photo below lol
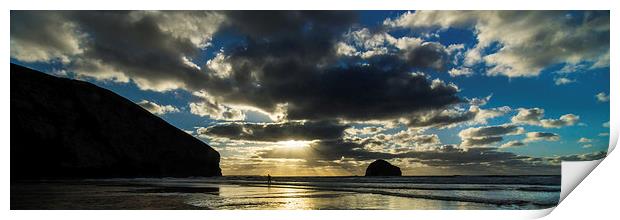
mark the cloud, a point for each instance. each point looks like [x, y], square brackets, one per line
[274, 132]
[415, 52]
[462, 71]
[284, 57]
[528, 116]
[606, 124]
[157, 108]
[364, 131]
[541, 136]
[499, 130]
[534, 116]
[512, 144]
[565, 120]
[261, 77]
[572, 68]
[487, 135]
[55, 38]
[563, 81]
[529, 41]
[603, 134]
[404, 140]
[584, 140]
[480, 141]
[208, 106]
[287, 65]
[602, 97]
[581, 157]
[448, 158]
[149, 48]
[446, 118]
[480, 101]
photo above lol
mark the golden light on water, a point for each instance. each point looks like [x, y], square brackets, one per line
[294, 143]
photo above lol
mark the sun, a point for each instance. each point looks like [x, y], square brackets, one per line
[294, 143]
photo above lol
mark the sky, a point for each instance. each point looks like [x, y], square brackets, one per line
[313, 93]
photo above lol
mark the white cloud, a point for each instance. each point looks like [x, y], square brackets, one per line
[485, 114]
[219, 67]
[572, 68]
[481, 101]
[364, 131]
[482, 136]
[565, 120]
[512, 144]
[541, 136]
[530, 116]
[563, 81]
[189, 63]
[461, 71]
[98, 70]
[584, 140]
[415, 51]
[606, 124]
[529, 41]
[602, 97]
[345, 49]
[210, 107]
[405, 140]
[533, 116]
[157, 108]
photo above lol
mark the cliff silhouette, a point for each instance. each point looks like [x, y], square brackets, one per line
[64, 128]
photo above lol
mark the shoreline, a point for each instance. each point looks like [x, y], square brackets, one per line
[179, 193]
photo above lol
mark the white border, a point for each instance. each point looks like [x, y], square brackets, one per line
[314, 5]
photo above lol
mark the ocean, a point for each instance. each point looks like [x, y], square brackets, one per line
[313, 193]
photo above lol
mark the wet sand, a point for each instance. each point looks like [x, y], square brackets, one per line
[191, 194]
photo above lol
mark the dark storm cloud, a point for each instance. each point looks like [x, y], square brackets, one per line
[273, 132]
[283, 58]
[428, 55]
[364, 93]
[285, 24]
[296, 63]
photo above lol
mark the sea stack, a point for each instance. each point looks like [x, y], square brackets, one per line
[64, 128]
[382, 168]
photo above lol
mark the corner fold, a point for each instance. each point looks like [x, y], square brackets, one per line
[573, 172]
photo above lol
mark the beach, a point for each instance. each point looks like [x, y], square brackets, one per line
[291, 193]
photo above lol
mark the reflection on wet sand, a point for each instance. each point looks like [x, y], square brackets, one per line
[292, 198]
[229, 194]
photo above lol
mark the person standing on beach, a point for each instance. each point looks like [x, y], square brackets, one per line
[268, 179]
